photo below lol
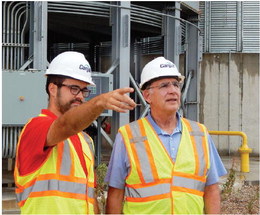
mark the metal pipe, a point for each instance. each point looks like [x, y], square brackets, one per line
[137, 90]
[19, 48]
[22, 35]
[15, 141]
[13, 33]
[4, 22]
[114, 65]
[8, 34]
[244, 150]
[4, 34]
[133, 9]
[16, 35]
[11, 142]
[229, 88]
[83, 8]
[4, 141]
[147, 107]
[185, 92]
[148, 10]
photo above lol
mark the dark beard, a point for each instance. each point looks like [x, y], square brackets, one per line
[63, 108]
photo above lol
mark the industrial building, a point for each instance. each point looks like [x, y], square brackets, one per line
[215, 45]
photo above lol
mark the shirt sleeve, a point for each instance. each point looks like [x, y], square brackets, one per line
[118, 164]
[32, 151]
[217, 168]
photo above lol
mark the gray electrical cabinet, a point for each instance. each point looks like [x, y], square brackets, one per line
[23, 94]
[104, 83]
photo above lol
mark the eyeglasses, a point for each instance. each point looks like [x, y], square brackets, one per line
[166, 85]
[74, 89]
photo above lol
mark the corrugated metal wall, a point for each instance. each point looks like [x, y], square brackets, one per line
[251, 29]
[230, 26]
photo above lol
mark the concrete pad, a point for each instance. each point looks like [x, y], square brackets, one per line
[250, 178]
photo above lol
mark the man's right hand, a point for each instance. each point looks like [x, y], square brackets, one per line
[118, 100]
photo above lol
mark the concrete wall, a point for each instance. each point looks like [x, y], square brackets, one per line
[229, 98]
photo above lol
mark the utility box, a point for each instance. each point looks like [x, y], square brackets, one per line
[24, 95]
[104, 83]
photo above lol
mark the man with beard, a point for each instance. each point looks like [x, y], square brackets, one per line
[163, 163]
[54, 171]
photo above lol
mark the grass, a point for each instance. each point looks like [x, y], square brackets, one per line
[101, 186]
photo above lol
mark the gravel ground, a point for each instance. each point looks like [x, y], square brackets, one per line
[243, 201]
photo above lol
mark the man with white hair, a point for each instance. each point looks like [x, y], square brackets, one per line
[163, 163]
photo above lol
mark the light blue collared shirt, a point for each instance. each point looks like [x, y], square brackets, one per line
[119, 165]
[170, 141]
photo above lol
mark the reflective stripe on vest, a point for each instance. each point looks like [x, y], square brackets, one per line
[160, 189]
[147, 191]
[188, 183]
[138, 140]
[57, 185]
[197, 133]
[66, 159]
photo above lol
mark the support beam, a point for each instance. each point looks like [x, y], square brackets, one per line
[120, 17]
[193, 58]
[40, 14]
[172, 33]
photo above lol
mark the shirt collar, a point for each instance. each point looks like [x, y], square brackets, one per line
[159, 131]
[48, 113]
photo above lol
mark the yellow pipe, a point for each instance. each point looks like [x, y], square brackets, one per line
[244, 150]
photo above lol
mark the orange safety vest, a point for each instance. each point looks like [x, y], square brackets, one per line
[60, 185]
[157, 185]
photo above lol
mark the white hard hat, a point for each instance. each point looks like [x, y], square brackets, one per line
[159, 67]
[71, 64]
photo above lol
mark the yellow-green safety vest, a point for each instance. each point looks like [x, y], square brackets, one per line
[157, 185]
[60, 185]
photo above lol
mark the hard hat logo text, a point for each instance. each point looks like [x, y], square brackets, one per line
[86, 67]
[170, 65]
